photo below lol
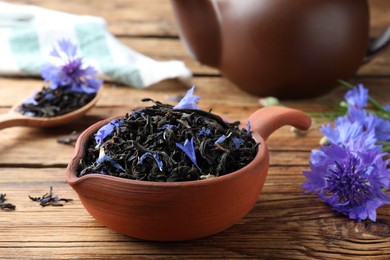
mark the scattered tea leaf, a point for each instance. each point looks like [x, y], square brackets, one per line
[49, 199]
[70, 139]
[4, 205]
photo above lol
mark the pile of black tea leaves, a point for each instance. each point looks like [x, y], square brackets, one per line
[162, 144]
[55, 102]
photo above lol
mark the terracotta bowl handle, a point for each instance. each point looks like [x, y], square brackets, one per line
[267, 120]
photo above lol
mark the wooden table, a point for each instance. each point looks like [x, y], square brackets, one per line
[283, 224]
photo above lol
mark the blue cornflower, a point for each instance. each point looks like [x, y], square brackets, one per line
[351, 181]
[350, 174]
[357, 97]
[188, 101]
[105, 130]
[69, 72]
[189, 149]
[155, 156]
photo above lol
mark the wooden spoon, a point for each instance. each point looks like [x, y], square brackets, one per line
[15, 118]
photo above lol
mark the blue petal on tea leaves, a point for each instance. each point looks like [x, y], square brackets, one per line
[205, 132]
[248, 126]
[189, 149]
[104, 157]
[30, 100]
[237, 142]
[221, 139]
[105, 130]
[154, 156]
[167, 126]
[188, 101]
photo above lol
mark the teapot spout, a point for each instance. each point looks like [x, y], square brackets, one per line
[199, 29]
[267, 120]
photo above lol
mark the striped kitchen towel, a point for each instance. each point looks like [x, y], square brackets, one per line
[28, 34]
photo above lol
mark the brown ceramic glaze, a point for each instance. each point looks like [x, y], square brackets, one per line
[283, 48]
[14, 118]
[184, 210]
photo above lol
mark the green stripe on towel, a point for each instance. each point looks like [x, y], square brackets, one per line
[93, 45]
[25, 48]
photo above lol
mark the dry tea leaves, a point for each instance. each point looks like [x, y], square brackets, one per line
[55, 102]
[70, 139]
[4, 205]
[48, 199]
[159, 143]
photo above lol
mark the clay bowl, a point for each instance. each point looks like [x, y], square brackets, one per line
[184, 210]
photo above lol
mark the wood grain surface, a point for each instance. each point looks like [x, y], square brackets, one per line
[284, 224]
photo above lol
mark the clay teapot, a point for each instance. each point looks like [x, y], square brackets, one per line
[169, 211]
[283, 48]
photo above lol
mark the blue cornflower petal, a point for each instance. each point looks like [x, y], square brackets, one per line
[51, 73]
[369, 122]
[54, 53]
[105, 130]
[188, 101]
[167, 126]
[237, 142]
[49, 96]
[248, 126]
[142, 158]
[67, 47]
[205, 132]
[160, 163]
[103, 157]
[189, 149]
[344, 132]
[220, 139]
[357, 97]
[117, 165]
[30, 100]
[155, 156]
